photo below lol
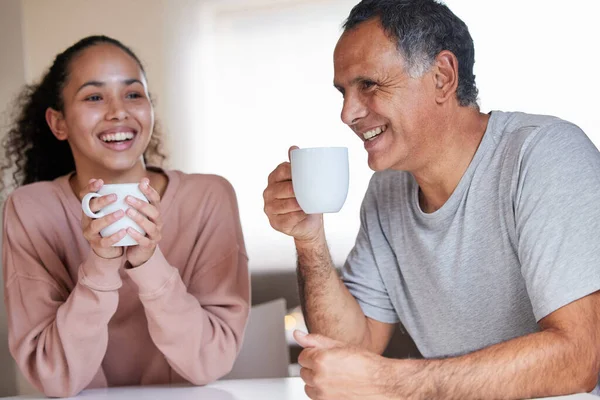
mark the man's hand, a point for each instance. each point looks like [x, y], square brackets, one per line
[333, 371]
[283, 210]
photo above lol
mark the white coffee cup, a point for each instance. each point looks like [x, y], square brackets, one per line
[320, 178]
[122, 190]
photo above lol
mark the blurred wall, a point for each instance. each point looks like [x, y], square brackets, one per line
[12, 76]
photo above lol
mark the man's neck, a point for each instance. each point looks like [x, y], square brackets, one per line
[438, 179]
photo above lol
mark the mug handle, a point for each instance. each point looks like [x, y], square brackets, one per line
[85, 205]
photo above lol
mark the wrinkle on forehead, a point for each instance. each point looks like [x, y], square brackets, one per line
[366, 50]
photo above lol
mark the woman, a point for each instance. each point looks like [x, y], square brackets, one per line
[81, 312]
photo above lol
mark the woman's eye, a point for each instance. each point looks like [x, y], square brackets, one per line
[134, 95]
[93, 97]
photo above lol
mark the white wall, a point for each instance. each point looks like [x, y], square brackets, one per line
[267, 78]
[265, 83]
[11, 78]
[537, 56]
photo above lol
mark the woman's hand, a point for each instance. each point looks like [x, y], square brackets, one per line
[147, 216]
[103, 247]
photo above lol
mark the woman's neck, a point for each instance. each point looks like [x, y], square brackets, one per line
[82, 176]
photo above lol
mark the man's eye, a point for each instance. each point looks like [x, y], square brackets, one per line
[134, 95]
[93, 97]
[368, 85]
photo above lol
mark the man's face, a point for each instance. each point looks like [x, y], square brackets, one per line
[394, 114]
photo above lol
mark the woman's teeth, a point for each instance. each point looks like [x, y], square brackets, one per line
[117, 137]
[373, 132]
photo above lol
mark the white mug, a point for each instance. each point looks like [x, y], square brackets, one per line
[122, 190]
[320, 178]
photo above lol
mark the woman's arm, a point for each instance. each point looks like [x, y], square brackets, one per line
[57, 338]
[199, 328]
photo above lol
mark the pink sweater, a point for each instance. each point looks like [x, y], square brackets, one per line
[78, 321]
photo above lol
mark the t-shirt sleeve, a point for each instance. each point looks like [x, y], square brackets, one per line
[558, 217]
[361, 273]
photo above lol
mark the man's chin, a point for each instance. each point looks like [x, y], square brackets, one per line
[378, 164]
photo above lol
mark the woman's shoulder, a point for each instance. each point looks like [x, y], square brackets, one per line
[38, 193]
[35, 200]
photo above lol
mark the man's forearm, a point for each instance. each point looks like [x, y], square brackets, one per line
[328, 306]
[538, 365]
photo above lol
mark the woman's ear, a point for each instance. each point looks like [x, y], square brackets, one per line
[56, 122]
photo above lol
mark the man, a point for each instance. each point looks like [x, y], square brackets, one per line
[479, 232]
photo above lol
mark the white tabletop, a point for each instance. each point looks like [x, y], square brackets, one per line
[249, 389]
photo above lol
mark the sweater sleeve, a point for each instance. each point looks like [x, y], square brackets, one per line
[57, 336]
[199, 326]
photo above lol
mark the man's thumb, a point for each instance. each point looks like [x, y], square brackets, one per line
[290, 152]
[314, 340]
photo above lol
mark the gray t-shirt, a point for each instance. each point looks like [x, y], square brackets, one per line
[518, 239]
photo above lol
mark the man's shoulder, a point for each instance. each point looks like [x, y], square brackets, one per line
[516, 119]
[520, 134]
[510, 125]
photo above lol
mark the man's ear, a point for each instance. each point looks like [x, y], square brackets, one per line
[56, 122]
[446, 76]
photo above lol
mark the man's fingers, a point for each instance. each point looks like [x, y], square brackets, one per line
[287, 222]
[279, 190]
[282, 207]
[315, 340]
[308, 376]
[307, 357]
[283, 172]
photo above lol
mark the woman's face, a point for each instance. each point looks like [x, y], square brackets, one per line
[107, 116]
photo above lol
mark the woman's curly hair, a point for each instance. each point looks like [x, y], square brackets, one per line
[32, 152]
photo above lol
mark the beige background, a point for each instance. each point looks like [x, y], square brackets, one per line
[12, 76]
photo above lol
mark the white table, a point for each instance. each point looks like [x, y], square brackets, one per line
[250, 389]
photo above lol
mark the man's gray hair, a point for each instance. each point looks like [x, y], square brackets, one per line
[422, 29]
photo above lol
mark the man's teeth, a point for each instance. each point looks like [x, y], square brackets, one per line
[117, 137]
[373, 132]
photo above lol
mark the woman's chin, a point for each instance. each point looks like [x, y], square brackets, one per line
[123, 167]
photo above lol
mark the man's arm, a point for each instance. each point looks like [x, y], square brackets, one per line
[561, 359]
[328, 306]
